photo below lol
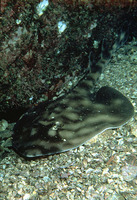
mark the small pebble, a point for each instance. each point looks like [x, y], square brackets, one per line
[3, 125]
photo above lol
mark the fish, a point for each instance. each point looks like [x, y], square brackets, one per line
[70, 121]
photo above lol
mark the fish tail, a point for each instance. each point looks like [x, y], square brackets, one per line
[106, 53]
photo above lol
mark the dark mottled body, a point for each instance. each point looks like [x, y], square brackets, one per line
[69, 122]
